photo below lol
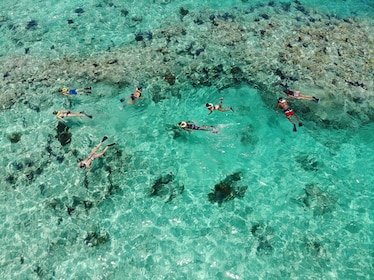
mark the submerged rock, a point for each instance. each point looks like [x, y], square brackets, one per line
[227, 189]
[14, 137]
[32, 24]
[165, 186]
[94, 239]
[63, 134]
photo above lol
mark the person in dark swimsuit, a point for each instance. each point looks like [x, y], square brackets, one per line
[75, 91]
[135, 95]
[298, 95]
[93, 155]
[288, 111]
[188, 126]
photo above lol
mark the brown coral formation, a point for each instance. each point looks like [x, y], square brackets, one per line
[264, 46]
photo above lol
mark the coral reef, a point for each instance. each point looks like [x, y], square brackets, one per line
[63, 134]
[227, 189]
[299, 47]
[14, 137]
[165, 186]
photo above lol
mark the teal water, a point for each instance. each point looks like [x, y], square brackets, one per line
[305, 210]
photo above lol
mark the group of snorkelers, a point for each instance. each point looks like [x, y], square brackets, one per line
[288, 111]
[185, 125]
[190, 126]
[62, 114]
[283, 103]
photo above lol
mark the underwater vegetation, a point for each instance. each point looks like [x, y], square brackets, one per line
[227, 189]
[165, 186]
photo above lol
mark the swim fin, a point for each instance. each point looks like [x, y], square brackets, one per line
[83, 112]
[104, 138]
[111, 144]
[122, 99]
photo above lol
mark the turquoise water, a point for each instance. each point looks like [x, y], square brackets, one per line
[306, 211]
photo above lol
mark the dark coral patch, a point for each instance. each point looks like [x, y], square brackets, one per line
[14, 137]
[63, 134]
[170, 79]
[79, 10]
[32, 24]
[227, 189]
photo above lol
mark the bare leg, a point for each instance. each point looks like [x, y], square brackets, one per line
[102, 153]
[306, 97]
[221, 108]
[294, 126]
[289, 118]
[98, 146]
[95, 150]
[298, 120]
[225, 109]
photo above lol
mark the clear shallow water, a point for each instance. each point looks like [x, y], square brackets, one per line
[307, 212]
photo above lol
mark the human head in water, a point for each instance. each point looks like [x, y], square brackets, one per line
[182, 124]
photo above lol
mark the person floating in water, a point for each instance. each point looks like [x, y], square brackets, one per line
[135, 95]
[298, 95]
[218, 107]
[75, 91]
[63, 114]
[189, 126]
[93, 155]
[283, 103]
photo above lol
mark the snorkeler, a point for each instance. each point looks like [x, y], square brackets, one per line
[62, 114]
[135, 95]
[75, 91]
[218, 107]
[93, 155]
[188, 126]
[298, 95]
[283, 103]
